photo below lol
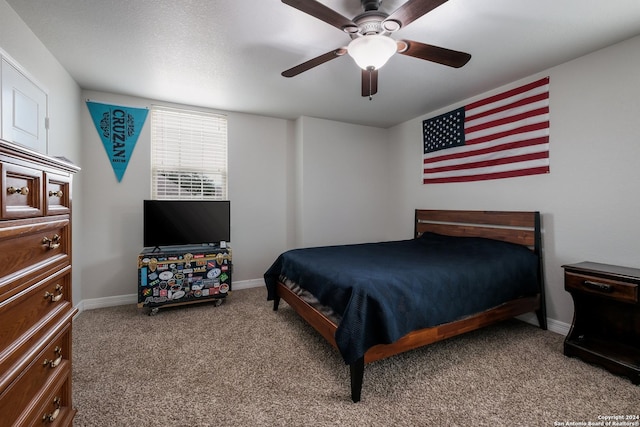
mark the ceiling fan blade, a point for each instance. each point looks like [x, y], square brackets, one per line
[318, 60]
[369, 82]
[412, 10]
[441, 55]
[323, 13]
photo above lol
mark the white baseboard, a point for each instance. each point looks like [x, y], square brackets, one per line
[247, 284]
[558, 327]
[93, 303]
[552, 324]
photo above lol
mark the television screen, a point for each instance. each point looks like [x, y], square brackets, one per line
[186, 222]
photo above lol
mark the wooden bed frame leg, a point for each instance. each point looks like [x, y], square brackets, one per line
[542, 311]
[542, 318]
[276, 303]
[357, 374]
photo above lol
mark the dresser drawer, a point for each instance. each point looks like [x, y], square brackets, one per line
[53, 408]
[57, 194]
[602, 287]
[24, 317]
[31, 246]
[52, 361]
[21, 192]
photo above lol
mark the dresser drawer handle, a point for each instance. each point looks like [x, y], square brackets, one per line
[55, 362]
[600, 287]
[55, 193]
[52, 416]
[53, 243]
[22, 190]
[52, 296]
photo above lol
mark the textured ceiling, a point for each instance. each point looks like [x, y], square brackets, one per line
[228, 54]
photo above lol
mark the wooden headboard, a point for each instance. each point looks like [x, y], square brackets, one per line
[522, 228]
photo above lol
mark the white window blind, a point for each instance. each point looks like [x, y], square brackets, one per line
[188, 155]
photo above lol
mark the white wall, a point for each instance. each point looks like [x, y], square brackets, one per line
[343, 182]
[590, 201]
[260, 193]
[19, 43]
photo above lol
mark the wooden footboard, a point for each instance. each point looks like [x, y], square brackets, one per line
[516, 227]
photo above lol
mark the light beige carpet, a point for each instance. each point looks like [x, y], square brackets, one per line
[242, 364]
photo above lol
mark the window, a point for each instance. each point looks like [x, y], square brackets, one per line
[188, 155]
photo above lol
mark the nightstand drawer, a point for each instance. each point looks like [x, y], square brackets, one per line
[607, 288]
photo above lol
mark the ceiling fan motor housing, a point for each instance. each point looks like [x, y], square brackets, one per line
[370, 22]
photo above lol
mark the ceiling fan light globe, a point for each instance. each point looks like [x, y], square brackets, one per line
[372, 50]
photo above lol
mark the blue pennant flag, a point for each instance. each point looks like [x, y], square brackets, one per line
[119, 128]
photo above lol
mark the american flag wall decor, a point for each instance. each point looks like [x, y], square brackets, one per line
[502, 136]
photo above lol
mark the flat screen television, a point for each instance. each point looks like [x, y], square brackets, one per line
[186, 222]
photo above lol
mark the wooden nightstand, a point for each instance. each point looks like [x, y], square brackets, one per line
[606, 321]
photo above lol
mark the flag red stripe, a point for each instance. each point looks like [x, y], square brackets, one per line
[483, 177]
[522, 129]
[509, 146]
[525, 101]
[505, 120]
[492, 162]
[508, 93]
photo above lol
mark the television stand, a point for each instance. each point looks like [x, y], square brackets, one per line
[172, 276]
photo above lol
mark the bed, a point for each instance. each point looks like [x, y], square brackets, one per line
[462, 270]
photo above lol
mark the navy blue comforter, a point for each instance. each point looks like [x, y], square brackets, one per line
[385, 290]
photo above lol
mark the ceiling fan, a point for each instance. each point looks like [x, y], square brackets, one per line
[371, 43]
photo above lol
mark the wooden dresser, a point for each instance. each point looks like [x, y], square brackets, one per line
[36, 310]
